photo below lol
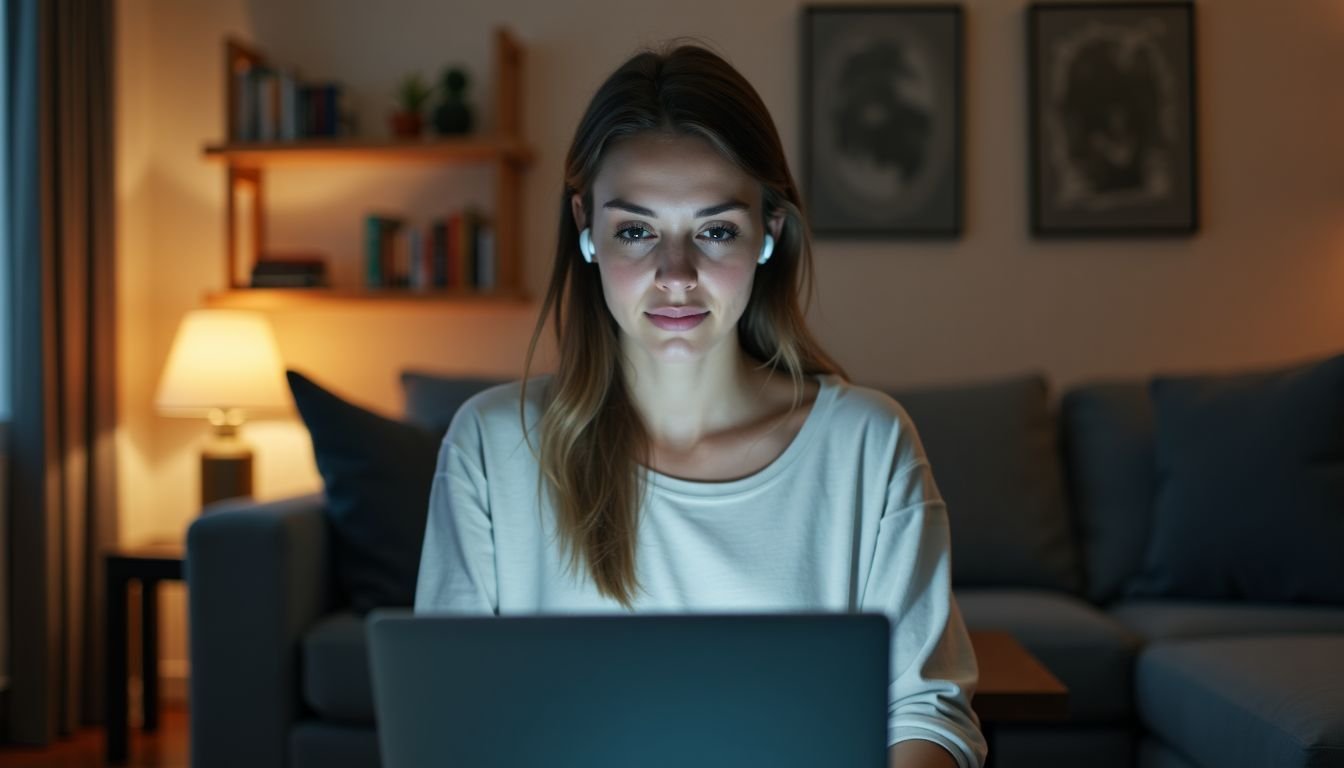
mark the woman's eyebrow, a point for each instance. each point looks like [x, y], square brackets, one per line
[713, 210]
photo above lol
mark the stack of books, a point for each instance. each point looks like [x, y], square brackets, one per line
[274, 104]
[289, 271]
[453, 252]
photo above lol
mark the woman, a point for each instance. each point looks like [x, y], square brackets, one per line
[695, 449]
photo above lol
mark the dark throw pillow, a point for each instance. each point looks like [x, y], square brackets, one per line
[1108, 445]
[1250, 494]
[377, 473]
[994, 451]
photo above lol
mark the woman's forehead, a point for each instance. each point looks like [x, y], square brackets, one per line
[682, 172]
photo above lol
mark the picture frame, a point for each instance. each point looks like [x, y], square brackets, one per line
[882, 112]
[1112, 119]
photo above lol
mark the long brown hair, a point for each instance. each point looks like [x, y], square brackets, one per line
[594, 446]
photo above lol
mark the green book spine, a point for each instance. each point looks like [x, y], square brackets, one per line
[373, 252]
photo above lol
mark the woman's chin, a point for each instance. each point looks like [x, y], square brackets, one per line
[677, 350]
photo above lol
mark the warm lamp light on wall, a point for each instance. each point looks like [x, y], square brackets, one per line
[224, 366]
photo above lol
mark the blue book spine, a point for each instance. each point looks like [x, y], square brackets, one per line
[330, 109]
[485, 259]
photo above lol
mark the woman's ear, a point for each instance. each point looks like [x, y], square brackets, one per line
[576, 205]
[774, 225]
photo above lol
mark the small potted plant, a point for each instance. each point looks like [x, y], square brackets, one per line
[453, 114]
[407, 121]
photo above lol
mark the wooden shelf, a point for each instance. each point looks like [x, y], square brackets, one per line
[246, 162]
[282, 298]
[333, 151]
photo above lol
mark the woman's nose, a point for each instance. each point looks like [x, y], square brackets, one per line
[676, 268]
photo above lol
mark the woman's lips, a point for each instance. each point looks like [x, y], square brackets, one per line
[684, 323]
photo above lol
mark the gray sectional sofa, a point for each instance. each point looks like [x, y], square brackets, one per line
[1072, 522]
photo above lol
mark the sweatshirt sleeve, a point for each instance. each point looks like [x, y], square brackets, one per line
[933, 667]
[457, 560]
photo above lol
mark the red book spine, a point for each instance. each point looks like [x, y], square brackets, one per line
[426, 277]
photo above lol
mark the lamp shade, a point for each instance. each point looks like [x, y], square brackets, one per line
[223, 359]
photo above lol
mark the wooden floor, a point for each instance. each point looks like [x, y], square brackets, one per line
[166, 748]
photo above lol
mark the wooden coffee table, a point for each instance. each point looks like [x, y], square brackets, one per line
[1014, 686]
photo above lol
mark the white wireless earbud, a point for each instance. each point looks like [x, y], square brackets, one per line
[586, 246]
[767, 248]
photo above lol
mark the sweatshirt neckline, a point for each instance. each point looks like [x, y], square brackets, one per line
[719, 489]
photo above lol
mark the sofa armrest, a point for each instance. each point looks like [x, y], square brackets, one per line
[258, 575]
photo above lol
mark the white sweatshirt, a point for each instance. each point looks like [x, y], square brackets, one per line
[847, 518]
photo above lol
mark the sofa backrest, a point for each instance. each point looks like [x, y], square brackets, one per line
[994, 451]
[432, 399]
[1213, 486]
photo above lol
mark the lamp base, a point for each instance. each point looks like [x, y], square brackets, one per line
[226, 471]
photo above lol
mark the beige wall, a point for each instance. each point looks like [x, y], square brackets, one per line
[1262, 282]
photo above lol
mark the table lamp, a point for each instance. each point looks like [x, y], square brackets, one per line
[224, 365]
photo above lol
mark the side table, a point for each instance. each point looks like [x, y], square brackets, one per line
[1014, 686]
[149, 564]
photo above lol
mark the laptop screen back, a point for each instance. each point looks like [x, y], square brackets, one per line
[703, 691]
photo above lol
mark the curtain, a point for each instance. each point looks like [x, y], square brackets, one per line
[59, 194]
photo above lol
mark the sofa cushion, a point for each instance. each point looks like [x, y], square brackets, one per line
[1250, 501]
[336, 682]
[994, 452]
[377, 474]
[1270, 700]
[1172, 619]
[1091, 653]
[318, 744]
[433, 399]
[1108, 442]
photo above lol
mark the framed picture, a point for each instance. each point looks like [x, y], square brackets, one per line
[882, 111]
[1112, 118]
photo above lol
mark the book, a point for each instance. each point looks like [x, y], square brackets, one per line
[289, 270]
[273, 103]
[422, 258]
[244, 106]
[267, 103]
[393, 238]
[373, 271]
[405, 241]
[328, 119]
[466, 245]
[283, 280]
[308, 110]
[453, 246]
[486, 279]
[379, 237]
[289, 107]
[413, 250]
[438, 253]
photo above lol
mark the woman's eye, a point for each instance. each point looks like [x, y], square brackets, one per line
[722, 234]
[636, 235]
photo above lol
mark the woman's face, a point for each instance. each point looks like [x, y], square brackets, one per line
[677, 230]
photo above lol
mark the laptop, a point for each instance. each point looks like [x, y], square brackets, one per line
[698, 690]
